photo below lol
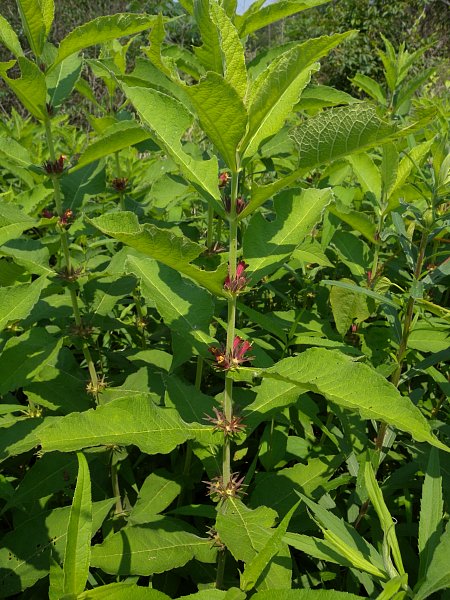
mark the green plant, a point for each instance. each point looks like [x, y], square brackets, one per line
[195, 472]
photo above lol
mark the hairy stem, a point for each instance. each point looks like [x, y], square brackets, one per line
[228, 394]
[66, 251]
[401, 352]
[210, 230]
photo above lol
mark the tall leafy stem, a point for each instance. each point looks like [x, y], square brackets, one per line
[94, 386]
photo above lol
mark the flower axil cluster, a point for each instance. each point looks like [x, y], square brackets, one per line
[221, 423]
[232, 359]
[218, 490]
[237, 283]
[55, 167]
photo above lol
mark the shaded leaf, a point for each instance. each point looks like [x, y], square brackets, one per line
[160, 545]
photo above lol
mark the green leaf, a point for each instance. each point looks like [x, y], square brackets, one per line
[370, 86]
[357, 220]
[100, 30]
[367, 174]
[48, 13]
[169, 119]
[50, 474]
[24, 356]
[438, 573]
[256, 18]
[391, 588]
[30, 88]
[361, 290]
[30, 254]
[304, 595]
[191, 404]
[8, 38]
[431, 513]
[168, 248]
[409, 162]
[79, 185]
[254, 569]
[354, 386]
[35, 26]
[26, 551]
[221, 113]
[277, 89]
[118, 136]
[347, 306]
[14, 151]
[17, 301]
[386, 521]
[337, 132]
[267, 244]
[13, 221]
[79, 533]
[62, 80]
[157, 492]
[308, 478]
[245, 532]
[233, 58]
[346, 541]
[160, 545]
[428, 338]
[330, 135]
[130, 420]
[56, 580]
[20, 436]
[209, 53]
[186, 308]
[122, 591]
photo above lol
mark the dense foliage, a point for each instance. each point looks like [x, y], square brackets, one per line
[223, 315]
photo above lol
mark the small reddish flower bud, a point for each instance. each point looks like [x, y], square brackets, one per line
[369, 277]
[120, 184]
[55, 167]
[66, 217]
[223, 179]
[47, 214]
[239, 281]
[240, 204]
[354, 327]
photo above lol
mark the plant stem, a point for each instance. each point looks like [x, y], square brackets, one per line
[115, 487]
[401, 352]
[210, 230]
[220, 568]
[228, 394]
[68, 265]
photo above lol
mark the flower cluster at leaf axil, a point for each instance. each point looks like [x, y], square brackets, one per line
[237, 283]
[219, 490]
[232, 359]
[229, 427]
[55, 167]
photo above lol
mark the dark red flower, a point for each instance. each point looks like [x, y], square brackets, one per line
[240, 204]
[231, 360]
[47, 214]
[66, 217]
[239, 281]
[54, 167]
[119, 184]
[223, 179]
